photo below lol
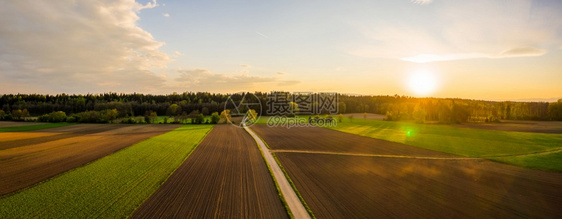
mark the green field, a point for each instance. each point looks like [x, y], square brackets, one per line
[110, 187]
[468, 142]
[549, 161]
[32, 127]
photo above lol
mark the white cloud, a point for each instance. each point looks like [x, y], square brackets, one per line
[522, 51]
[466, 30]
[177, 54]
[288, 83]
[166, 15]
[139, 6]
[78, 46]
[423, 58]
[421, 2]
[515, 52]
[198, 78]
[261, 34]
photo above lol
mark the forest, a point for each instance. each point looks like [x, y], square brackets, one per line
[120, 105]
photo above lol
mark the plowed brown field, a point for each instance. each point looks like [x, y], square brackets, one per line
[18, 139]
[346, 186]
[225, 176]
[27, 161]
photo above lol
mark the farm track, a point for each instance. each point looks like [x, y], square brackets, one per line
[336, 186]
[523, 155]
[415, 157]
[292, 200]
[370, 116]
[225, 176]
[375, 155]
[26, 164]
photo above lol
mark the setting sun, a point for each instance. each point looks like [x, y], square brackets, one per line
[422, 83]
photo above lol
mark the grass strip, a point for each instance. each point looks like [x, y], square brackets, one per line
[32, 127]
[111, 187]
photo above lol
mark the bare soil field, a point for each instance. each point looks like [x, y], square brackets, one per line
[25, 162]
[337, 186]
[12, 136]
[19, 139]
[519, 126]
[341, 175]
[4, 124]
[225, 176]
[321, 139]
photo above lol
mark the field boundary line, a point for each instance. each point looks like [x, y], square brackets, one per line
[295, 205]
[375, 155]
[528, 154]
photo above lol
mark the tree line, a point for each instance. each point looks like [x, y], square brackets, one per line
[452, 110]
[107, 106]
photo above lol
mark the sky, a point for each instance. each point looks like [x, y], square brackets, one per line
[491, 50]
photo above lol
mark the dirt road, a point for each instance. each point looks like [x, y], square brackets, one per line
[295, 205]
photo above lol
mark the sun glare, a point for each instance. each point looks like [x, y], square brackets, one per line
[422, 83]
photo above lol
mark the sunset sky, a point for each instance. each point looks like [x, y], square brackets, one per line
[492, 50]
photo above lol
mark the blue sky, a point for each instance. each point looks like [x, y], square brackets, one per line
[469, 49]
